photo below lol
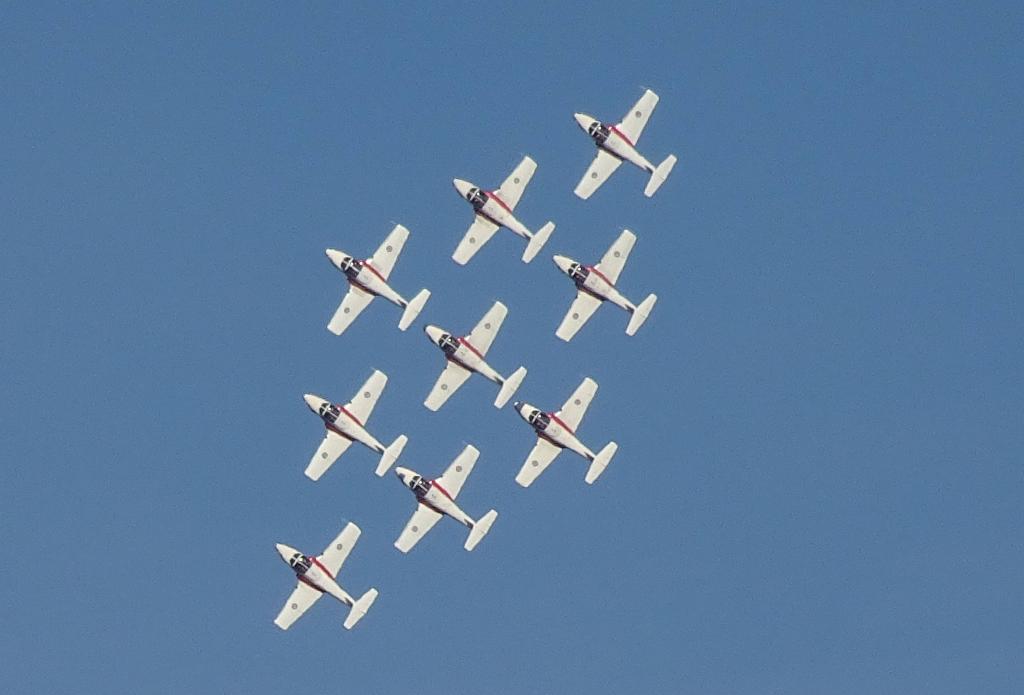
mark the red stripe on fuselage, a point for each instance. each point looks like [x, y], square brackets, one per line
[430, 506]
[353, 417]
[338, 432]
[599, 274]
[499, 201]
[326, 571]
[309, 583]
[560, 422]
[621, 135]
[366, 264]
[363, 287]
[434, 483]
[470, 347]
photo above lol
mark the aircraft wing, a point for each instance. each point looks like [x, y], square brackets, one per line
[487, 328]
[334, 555]
[453, 377]
[540, 458]
[298, 603]
[351, 306]
[615, 257]
[576, 407]
[383, 259]
[512, 188]
[423, 519]
[603, 166]
[455, 475]
[333, 446]
[362, 403]
[583, 307]
[478, 234]
[633, 123]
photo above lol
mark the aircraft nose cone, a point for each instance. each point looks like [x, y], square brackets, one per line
[563, 263]
[583, 120]
[336, 257]
[402, 473]
[433, 332]
[462, 186]
[284, 551]
[312, 401]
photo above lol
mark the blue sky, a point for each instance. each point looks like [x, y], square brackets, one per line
[818, 486]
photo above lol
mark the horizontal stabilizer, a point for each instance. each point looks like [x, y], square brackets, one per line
[601, 462]
[659, 175]
[413, 309]
[509, 388]
[537, 242]
[360, 608]
[480, 529]
[391, 454]
[640, 314]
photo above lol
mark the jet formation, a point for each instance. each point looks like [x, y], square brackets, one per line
[465, 355]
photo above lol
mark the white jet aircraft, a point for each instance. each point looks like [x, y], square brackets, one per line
[466, 355]
[369, 278]
[436, 498]
[494, 209]
[557, 431]
[316, 577]
[616, 143]
[346, 424]
[596, 284]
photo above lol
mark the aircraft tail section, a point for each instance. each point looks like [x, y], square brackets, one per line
[600, 462]
[360, 608]
[640, 314]
[537, 242]
[659, 175]
[480, 529]
[509, 388]
[391, 454]
[413, 309]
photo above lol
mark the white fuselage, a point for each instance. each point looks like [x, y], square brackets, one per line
[487, 204]
[308, 570]
[340, 421]
[548, 426]
[363, 275]
[613, 141]
[462, 352]
[592, 281]
[431, 494]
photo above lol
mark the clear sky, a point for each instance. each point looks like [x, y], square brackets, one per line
[818, 487]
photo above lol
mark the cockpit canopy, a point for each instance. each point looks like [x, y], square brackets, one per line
[448, 344]
[578, 272]
[477, 197]
[599, 131]
[418, 485]
[351, 266]
[329, 412]
[300, 563]
[539, 419]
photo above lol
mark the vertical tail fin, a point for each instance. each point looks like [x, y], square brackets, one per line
[360, 608]
[391, 454]
[537, 242]
[640, 314]
[480, 529]
[413, 309]
[601, 461]
[659, 175]
[509, 388]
